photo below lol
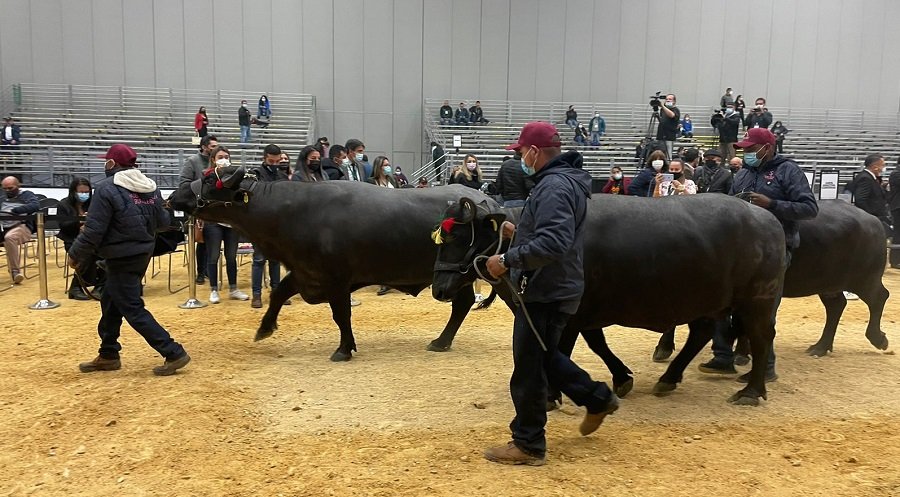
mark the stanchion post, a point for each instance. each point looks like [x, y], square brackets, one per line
[191, 302]
[44, 302]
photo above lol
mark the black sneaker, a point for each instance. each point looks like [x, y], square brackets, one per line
[770, 377]
[200, 279]
[717, 367]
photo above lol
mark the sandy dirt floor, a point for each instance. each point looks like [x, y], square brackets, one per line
[278, 418]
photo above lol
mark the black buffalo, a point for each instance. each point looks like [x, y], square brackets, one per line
[331, 236]
[632, 254]
[842, 248]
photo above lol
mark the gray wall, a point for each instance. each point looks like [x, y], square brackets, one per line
[372, 73]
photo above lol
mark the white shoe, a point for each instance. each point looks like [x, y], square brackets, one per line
[214, 297]
[238, 295]
[354, 302]
[851, 296]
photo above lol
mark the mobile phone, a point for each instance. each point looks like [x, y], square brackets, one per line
[668, 177]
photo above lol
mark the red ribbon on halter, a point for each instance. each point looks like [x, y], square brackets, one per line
[447, 224]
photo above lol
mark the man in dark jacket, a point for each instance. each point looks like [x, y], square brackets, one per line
[778, 185]
[446, 113]
[244, 121]
[546, 259]
[476, 114]
[125, 214]
[513, 184]
[438, 159]
[16, 232]
[894, 204]
[267, 171]
[712, 177]
[10, 134]
[462, 114]
[759, 116]
[869, 195]
[669, 119]
[191, 170]
[727, 126]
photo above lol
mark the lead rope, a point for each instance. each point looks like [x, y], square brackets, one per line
[509, 284]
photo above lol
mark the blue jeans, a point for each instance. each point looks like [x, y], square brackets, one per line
[215, 234]
[580, 140]
[121, 298]
[256, 273]
[513, 203]
[535, 370]
[245, 134]
[572, 123]
[595, 138]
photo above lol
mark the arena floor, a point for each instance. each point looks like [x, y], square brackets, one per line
[278, 418]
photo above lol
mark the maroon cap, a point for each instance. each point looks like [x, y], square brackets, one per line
[539, 134]
[121, 154]
[756, 136]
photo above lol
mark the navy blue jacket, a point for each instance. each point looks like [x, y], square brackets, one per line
[782, 180]
[25, 203]
[122, 221]
[549, 244]
[642, 184]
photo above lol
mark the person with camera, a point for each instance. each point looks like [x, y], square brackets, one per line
[759, 116]
[669, 118]
[728, 126]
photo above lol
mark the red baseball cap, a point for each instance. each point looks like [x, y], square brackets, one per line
[756, 136]
[539, 134]
[121, 154]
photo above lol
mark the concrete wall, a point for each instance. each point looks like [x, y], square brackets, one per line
[371, 63]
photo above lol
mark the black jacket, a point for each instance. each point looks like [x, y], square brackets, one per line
[243, 116]
[642, 184]
[270, 173]
[512, 182]
[894, 198]
[126, 212]
[461, 179]
[548, 248]
[446, 112]
[69, 225]
[869, 196]
[782, 180]
[727, 126]
[763, 119]
[668, 127]
[713, 180]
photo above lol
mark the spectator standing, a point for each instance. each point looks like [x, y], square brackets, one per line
[669, 118]
[728, 126]
[868, 193]
[201, 122]
[462, 114]
[268, 171]
[739, 106]
[726, 99]
[780, 132]
[691, 159]
[263, 111]
[353, 167]
[476, 114]
[16, 232]
[712, 176]
[383, 173]
[894, 204]
[571, 117]
[126, 213]
[437, 159]
[309, 166]
[446, 113]
[687, 127]
[244, 121]
[70, 209]
[617, 184]
[513, 183]
[597, 128]
[759, 117]
[192, 170]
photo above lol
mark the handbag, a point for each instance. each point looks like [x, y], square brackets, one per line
[198, 231]
[195, 140]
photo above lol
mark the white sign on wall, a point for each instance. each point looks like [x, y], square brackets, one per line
[829, 182]
[457, 141]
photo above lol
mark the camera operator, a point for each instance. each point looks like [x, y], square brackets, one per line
[759, 117]
[669, 117]
[727, 127]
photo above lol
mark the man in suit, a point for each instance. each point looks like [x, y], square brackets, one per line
[894, 204]
[868, 193]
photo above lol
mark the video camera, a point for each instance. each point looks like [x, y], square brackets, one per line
[655, 100]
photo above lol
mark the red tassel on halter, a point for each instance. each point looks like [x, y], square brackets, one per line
[447, 224]
[219, 184]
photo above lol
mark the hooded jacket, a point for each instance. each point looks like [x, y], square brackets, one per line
[782, 180]
[548, 249]
[512, 183]
[123, 219]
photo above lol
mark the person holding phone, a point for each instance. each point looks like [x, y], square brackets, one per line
[673, 182]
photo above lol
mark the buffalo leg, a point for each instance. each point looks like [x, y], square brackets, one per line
[701, 331]
[462, 304]
[486, 303]
[283, 291]
[665, 347]
[756, 317]
[622, 380]
[834, 307]
[340, 312]
[875, 300]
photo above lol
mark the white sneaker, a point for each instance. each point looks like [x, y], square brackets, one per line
[238, 295]
[851, 296]
[354, 302]
[214, 297]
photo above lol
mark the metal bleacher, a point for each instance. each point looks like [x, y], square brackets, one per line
[820, 139]
[65, 127]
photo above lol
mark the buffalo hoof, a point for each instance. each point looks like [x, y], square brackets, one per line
[742, 398]
[262, 334]
[818, 350]
[880, 342]
[662, 388]
[340, 356]
[624, 387]
[662, 354]
[436, 346]
[741, 360]
[552, 405]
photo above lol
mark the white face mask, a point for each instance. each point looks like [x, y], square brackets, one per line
[244, 105]
[617, 176]
[657, 164]
[345, 161]
[223, 162]
[471, 166]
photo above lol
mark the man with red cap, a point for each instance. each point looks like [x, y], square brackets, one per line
[546, 262]
[125, 214]
[778, 185]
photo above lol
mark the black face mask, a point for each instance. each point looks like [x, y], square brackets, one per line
[12, 193]
[734, 169]
[678, 175]
[314, 164]
[711, 164]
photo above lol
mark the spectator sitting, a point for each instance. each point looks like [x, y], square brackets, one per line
[571, 117]
[353, 168]
[470, 175]
[367, 167]
[687, 127]
[383, 173]
[446, 113]
[401, 178]
[581, 134]
[691, 158]
[462, 114]
[69, 209]
[309, 166]
[642, 184]
[678, 185]
[422, 182]
[597, 127]
[476, 114]
[10, 134]
[712, 176]
[333, 166]
[617, 183]
[263, 112]
[16, 232]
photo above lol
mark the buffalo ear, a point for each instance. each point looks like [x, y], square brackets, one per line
[233, 179]
[494, 221]
[466, 210]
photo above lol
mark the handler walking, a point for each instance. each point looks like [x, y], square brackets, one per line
[125, 214]
[546, 259]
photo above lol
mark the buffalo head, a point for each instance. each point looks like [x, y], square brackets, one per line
[220, 185]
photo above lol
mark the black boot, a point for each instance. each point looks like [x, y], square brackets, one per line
[76, 292]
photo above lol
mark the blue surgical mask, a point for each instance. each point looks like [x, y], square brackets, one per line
[345, 162]
[751, 160]
[359, 157]
[83, 197]
[387, 170]
[529, 171]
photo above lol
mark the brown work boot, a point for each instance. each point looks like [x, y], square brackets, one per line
[169, 367]
[592, 421]
[256, 302]
[100, 364]
[511, 454]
